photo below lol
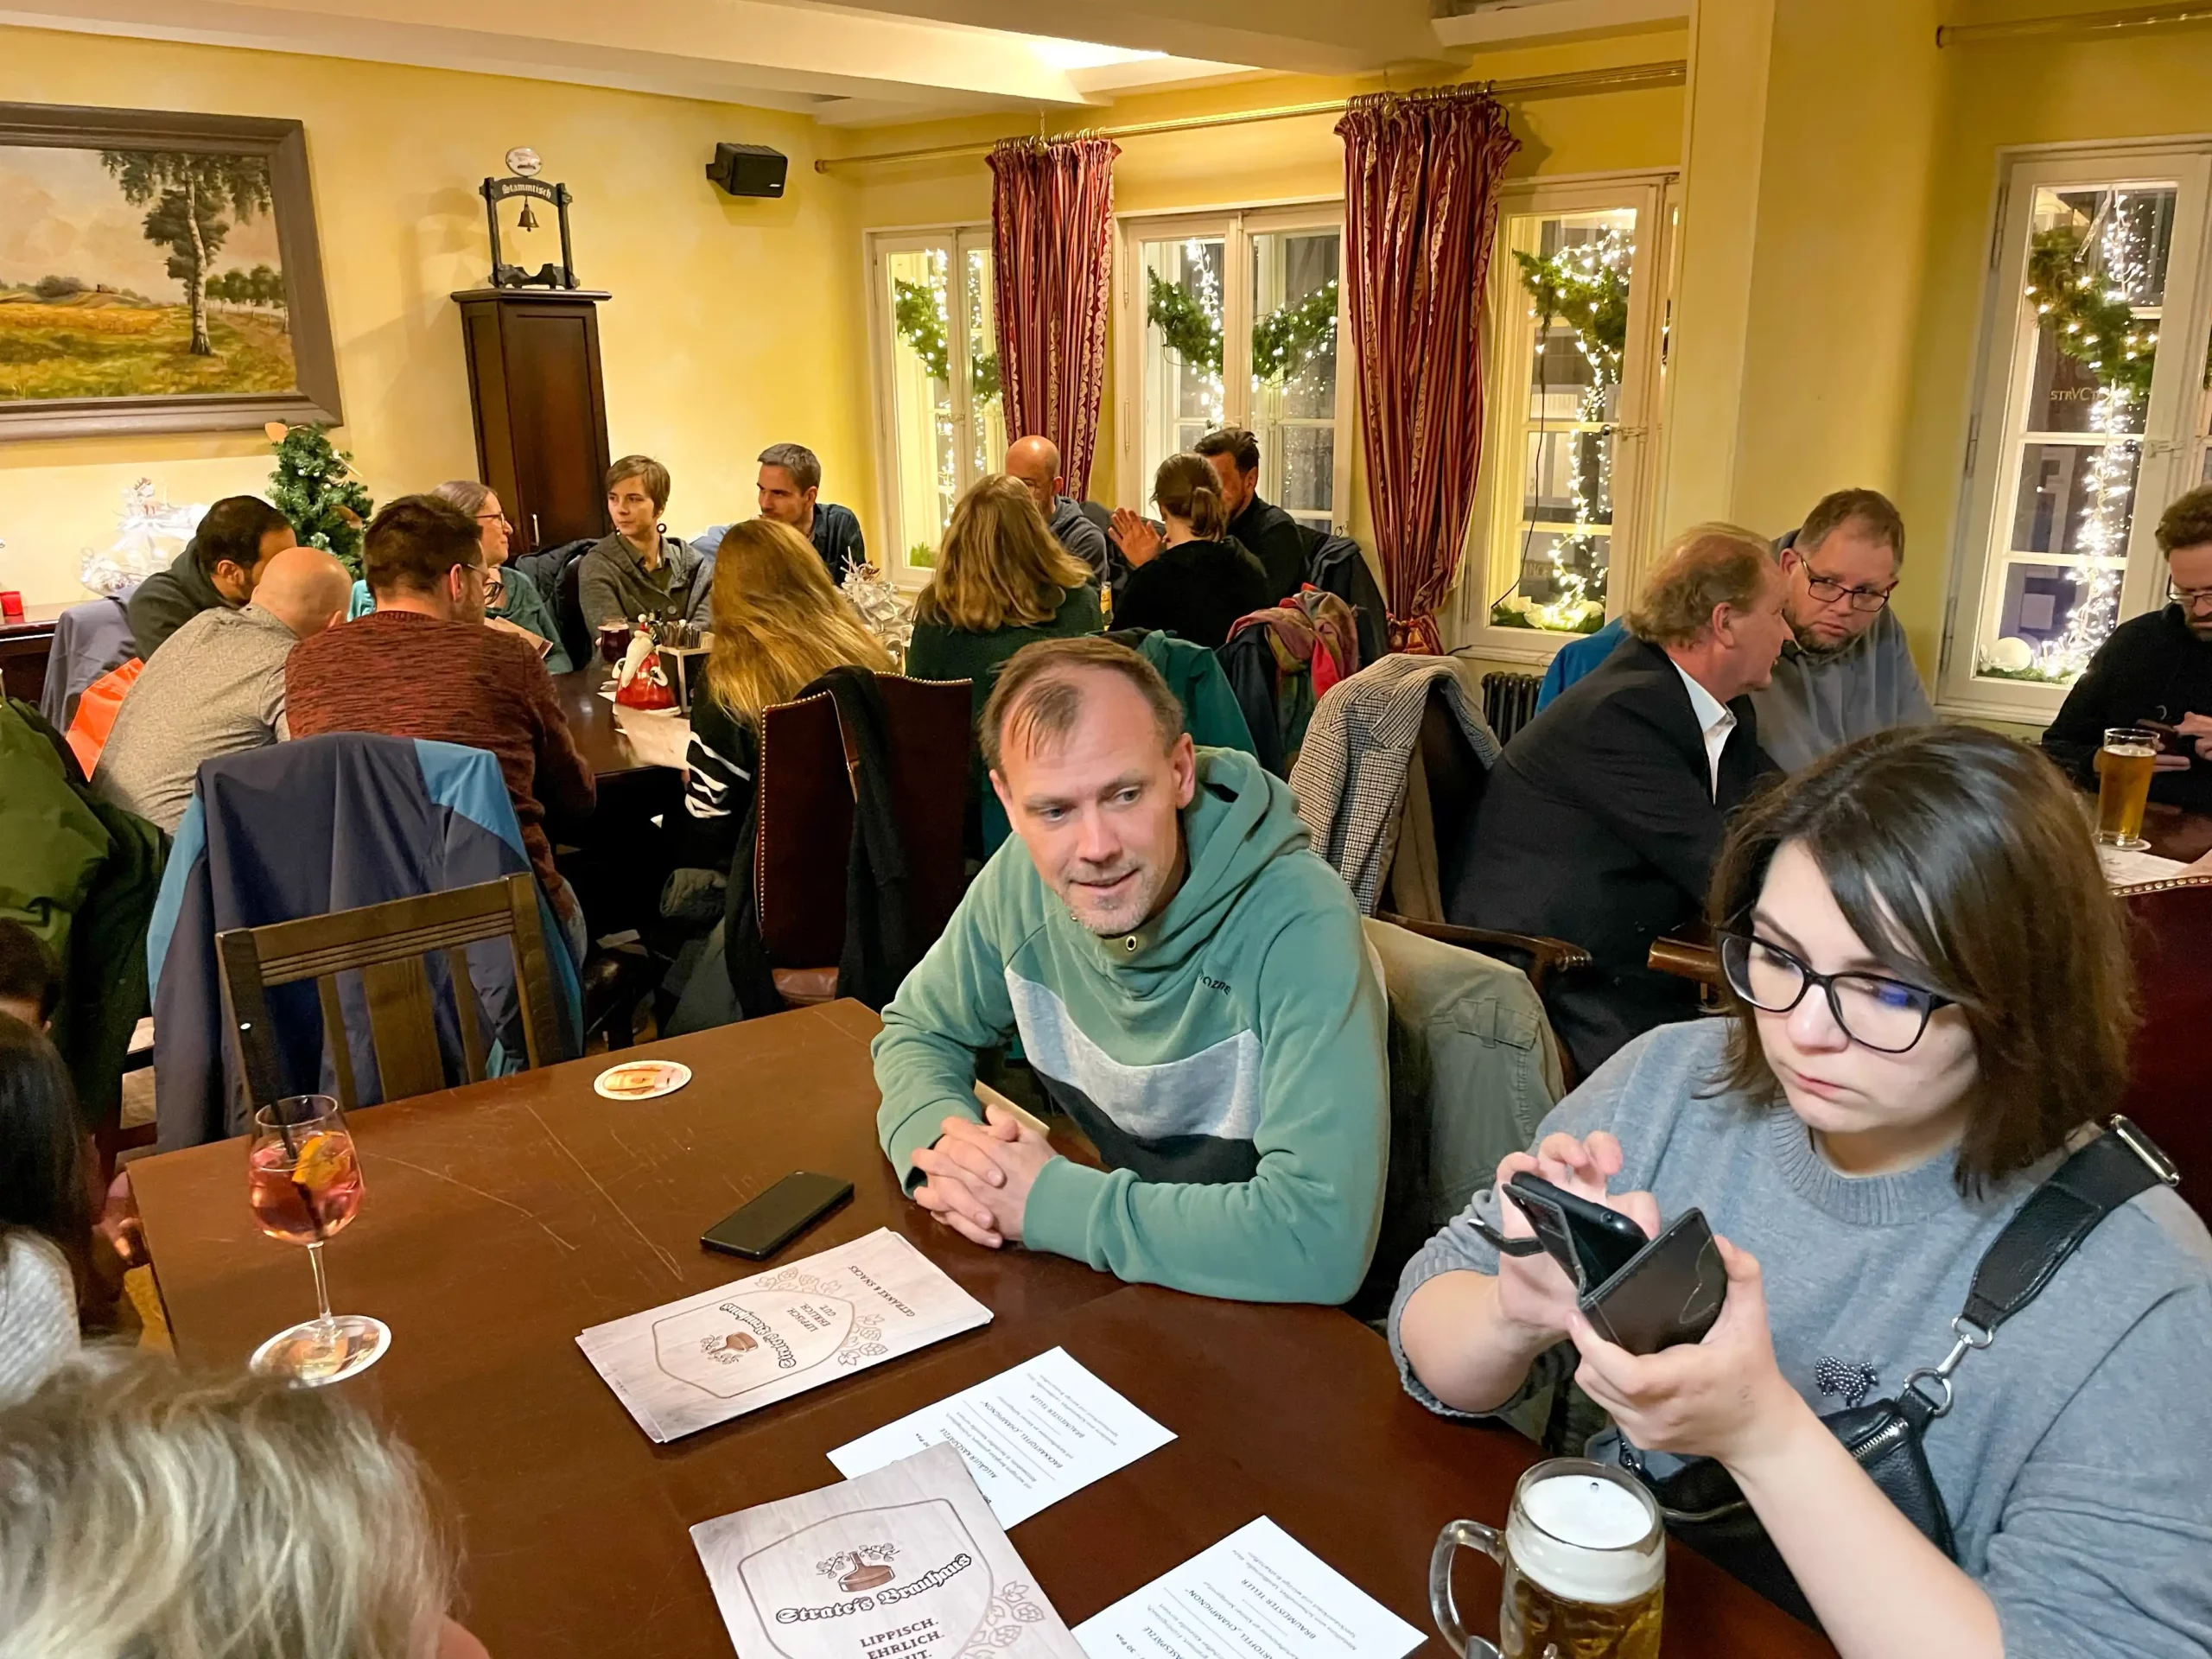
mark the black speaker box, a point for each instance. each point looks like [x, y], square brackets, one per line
[749, 170]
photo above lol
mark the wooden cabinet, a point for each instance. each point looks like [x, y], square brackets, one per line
[540, 404]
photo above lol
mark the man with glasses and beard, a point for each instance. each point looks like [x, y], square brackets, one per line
[2155, 669]
[1190, 985]
[1846, 671]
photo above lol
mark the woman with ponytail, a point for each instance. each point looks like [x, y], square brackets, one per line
[1194, 581]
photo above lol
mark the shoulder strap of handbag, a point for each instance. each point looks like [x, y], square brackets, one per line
[2093, 1182]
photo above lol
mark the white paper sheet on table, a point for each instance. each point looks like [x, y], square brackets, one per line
[2124, 868]
[743, 1346]
[661, 736]
[1031, 1435]
[1257, 1594]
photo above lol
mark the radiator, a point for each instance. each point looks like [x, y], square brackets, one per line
[1510, 703]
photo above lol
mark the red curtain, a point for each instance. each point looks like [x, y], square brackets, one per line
[1420, 209]
[1051, 267]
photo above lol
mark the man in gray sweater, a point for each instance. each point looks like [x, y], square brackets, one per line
[1847, 670]
[236, 539]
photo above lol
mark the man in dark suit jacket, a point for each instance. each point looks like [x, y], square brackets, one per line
[1270, 534]
[1601, 822]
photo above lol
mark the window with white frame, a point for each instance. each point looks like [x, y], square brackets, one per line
[1563, 511]
[2094, 414]
[1232, 318]
[940, 419]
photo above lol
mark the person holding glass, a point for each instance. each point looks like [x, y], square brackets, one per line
[2155, 673]
[1929, 997]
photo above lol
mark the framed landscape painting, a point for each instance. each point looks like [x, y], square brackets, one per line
[159, 272]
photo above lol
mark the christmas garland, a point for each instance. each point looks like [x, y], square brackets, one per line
[919, 316]
[1284, 341]
[2089, 322]
[1594, 303]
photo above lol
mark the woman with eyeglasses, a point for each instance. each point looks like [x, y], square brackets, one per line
[510, 597]
[1929, 995]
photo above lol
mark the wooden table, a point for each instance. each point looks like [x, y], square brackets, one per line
[25, 646]
[591, 717]
[502, 1219]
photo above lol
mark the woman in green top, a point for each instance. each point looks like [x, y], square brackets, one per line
[1002, 581]
[517, 599]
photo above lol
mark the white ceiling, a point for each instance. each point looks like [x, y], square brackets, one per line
[900, 61]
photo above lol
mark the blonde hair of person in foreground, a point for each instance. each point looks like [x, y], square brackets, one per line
[1000, 566]
[150, 1511]
[778, 623]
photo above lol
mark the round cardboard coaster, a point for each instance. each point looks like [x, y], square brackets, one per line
[642, 1079]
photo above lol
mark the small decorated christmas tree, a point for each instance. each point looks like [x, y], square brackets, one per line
[314, 486]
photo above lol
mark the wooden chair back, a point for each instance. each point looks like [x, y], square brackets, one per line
[807, 792]
[2170, 930]
[386, 944]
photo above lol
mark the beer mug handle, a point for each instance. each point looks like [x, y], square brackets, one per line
[1460, 1535]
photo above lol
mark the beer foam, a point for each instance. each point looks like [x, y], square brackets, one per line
[2132, 751]
[1575, 1536]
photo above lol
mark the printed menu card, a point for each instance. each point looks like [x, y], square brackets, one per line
[907, 1562]
[724, 1352]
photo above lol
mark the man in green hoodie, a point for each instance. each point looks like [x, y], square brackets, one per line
[236, 539]
[1190, 985]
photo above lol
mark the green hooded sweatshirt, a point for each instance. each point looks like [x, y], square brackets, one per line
[1226, 1059]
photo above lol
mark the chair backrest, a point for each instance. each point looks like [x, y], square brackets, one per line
[568, 611]
[806, 814]
[2169, 924]
[386, 944]
[1509, 702]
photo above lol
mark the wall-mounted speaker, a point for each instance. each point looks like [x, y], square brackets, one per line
[749, 170]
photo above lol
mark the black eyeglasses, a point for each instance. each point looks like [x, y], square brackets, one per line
[1886, 1015]
[2188, 598]
[1827, 590]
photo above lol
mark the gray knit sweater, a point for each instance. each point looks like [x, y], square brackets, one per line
[2077, 1462]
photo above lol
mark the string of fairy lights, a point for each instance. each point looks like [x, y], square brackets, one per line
[1583, 285]
[2121, 272]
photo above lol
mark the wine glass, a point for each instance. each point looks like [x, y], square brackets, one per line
[303, 1180]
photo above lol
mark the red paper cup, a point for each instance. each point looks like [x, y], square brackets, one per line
[11, 606]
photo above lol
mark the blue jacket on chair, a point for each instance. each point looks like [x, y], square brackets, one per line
[305, 829]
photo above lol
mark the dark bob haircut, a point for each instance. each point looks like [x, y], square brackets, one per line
[1962, 860]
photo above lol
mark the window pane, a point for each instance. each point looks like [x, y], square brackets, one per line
[919, 296]
[1182, 391]
[1293, 366]
[986, 406]
[2088, 319]
[1552, 559]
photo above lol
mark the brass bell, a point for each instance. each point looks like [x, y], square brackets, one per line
[528, 220]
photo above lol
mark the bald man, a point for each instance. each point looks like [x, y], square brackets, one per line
[1036, 462]
[217, 686]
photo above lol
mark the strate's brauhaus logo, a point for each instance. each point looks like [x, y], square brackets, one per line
[902, 1582]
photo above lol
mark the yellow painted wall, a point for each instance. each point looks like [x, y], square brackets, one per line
[733, 324]
[1616, 131]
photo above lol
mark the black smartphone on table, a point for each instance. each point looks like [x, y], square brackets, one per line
[1590, 1242]
[1670, 1293]
[763, 1225]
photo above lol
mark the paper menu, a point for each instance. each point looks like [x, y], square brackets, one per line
[904, 1563]
[1031, 1435]
[1257, 1594]
[743, 1346]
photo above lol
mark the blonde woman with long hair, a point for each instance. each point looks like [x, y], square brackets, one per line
[1002, 582]
[778, 626]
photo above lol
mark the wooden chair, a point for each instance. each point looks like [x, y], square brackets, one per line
[385, 945]
[2170, 927]
[1444, 787]
[808, 787]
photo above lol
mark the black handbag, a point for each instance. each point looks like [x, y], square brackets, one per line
[1701, 1501]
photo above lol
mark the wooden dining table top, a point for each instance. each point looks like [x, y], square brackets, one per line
[502, 1219]
[591, 720]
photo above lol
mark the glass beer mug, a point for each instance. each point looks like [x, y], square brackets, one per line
[1585, 1554]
